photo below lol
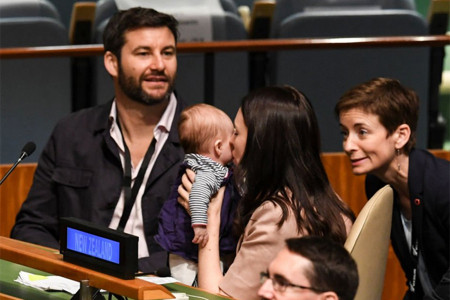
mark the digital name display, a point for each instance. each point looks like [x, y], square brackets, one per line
[93, 245]
[99, 248]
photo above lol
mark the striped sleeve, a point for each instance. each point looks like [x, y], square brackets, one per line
[208, 179]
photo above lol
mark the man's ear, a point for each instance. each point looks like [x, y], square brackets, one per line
[329, 296]
[402, 134]
[111, 63]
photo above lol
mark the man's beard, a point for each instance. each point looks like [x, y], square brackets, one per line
[134, 90]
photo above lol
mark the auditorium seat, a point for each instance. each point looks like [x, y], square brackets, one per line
[325, 74]
[438, 16]
[34, 92]
[261, 19]
[248, 3]
[368, 243]
[81, 22]
[230, 6]
[28, 8]
[228, 88]
[105, 8]
[285, 8]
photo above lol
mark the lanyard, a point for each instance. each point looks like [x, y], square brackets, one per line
[415, 237]
[130, 193]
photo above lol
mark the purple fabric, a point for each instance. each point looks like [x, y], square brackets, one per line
[175, 233]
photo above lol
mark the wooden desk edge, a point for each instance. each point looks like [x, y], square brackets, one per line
[49, 260]
[8, 297]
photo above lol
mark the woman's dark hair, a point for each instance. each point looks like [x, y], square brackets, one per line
[281, 163]
[131, 19]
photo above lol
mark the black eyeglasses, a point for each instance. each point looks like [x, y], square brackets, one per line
[280, 284]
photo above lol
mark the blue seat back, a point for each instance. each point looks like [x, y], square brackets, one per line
[34, 92]
[325, 74]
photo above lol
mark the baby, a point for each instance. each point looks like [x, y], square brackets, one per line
[205, 132]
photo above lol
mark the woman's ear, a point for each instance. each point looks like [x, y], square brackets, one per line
[402, 134]
[111, 63]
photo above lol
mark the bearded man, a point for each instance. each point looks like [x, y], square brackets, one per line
[114, 164]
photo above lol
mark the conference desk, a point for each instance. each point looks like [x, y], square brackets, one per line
[16, 256]
[8, 274]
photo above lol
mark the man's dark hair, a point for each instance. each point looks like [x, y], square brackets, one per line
[333, 269]
[132, 19]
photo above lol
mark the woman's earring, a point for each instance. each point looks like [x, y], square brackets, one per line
[398, 161]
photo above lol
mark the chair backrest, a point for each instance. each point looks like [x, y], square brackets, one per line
[285, 8]
[106, 8]
[28, 8]
[248, 3]
[368, 243]
[325, 74]
[31, 88]
[81, 22]
[190, 82]
[261, 19]
[230, 6]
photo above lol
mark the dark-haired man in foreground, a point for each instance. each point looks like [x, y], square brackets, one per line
[310, 268]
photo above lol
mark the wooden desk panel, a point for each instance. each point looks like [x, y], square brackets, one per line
[13, 192]
[7, 297]
[48, 260]
[16, 256]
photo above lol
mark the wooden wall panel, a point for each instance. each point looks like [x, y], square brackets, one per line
[349, 187]
[13, 192]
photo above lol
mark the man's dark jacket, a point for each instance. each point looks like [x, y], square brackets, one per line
[79, 174]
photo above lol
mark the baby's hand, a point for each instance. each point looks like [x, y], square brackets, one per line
[200, 235]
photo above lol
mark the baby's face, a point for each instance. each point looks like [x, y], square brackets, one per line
[227, 133]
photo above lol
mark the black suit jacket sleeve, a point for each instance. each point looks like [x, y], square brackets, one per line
[37, 220]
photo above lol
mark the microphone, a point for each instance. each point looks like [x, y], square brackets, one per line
[161, 272]
[27, 150]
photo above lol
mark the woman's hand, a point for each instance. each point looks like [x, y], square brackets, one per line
[209, 271]
[215, 205]
[184, 189]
